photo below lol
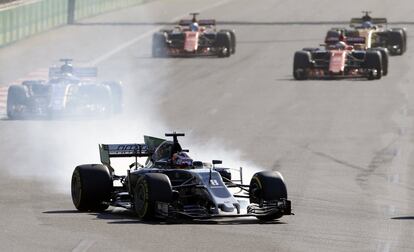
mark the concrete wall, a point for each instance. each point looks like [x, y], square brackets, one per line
[23, 20]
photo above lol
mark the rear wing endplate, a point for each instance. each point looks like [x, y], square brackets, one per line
[108, 151]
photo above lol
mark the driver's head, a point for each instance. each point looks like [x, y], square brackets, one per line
[367, 24]
[66, 68]
[181, 160]
[340, 45]
[194, 26]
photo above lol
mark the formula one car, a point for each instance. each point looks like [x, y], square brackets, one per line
[339, 61]
[194, 38]
[375, 34]
[172, 185]
[68, 92]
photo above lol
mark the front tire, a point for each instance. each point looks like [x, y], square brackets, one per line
[116, 96]
[267, 186]
[91, 187]
[149, 189]
[159, 44]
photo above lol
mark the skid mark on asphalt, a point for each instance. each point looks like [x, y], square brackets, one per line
[334, 159]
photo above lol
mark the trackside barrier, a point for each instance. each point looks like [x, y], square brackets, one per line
[34, 16]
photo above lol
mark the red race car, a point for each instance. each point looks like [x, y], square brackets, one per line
[194, 37]
[339, 60]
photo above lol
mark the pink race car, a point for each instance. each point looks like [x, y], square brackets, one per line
[194, 37]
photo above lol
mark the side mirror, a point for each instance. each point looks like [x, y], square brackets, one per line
[217, 162]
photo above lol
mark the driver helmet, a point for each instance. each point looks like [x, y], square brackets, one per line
[66, 68]
[340, 45]
[194, 27]
[181, 160]
[367, 24]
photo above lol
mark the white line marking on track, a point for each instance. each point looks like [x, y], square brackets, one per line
[83, 246]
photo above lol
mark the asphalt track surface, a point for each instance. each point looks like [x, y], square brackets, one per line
[344, 147]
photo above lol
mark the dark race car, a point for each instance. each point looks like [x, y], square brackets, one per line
[68, 92]
[172, 185]
[340, 60]
[194, 37]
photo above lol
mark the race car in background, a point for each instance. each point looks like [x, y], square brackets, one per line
[192, 37]
[340, 60]
[69, 91]
[375, 33]
[356, 41]
[172, 185]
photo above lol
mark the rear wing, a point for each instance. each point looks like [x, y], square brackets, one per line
[207, 22]
[80, 72]
[184, 22]
[201, 22]
[375, 21]
[108, 151]
[355, 40]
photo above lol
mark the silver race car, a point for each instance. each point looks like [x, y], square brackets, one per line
[69, 91]
[172, 185]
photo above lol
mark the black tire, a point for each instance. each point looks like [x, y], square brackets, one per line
[332, 37]
[233, 40]
[91, 187]
[267, 186]
[396, 38]
[159, 44]
[310, 49]
[301, 62]
[404, 31]
[98, 94]
[384, 60]
[149, 189]
[116, 95]
[17, 98]
[373, 62]
[223, 44]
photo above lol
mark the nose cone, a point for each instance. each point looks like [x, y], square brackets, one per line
[227, 207]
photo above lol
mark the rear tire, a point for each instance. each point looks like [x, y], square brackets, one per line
[91, 187]
[17, 99]
[267, 186]
[233, 40]
[149, 189]
[98, 95]
[223, 44]
[301, 63]
[396, 38]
